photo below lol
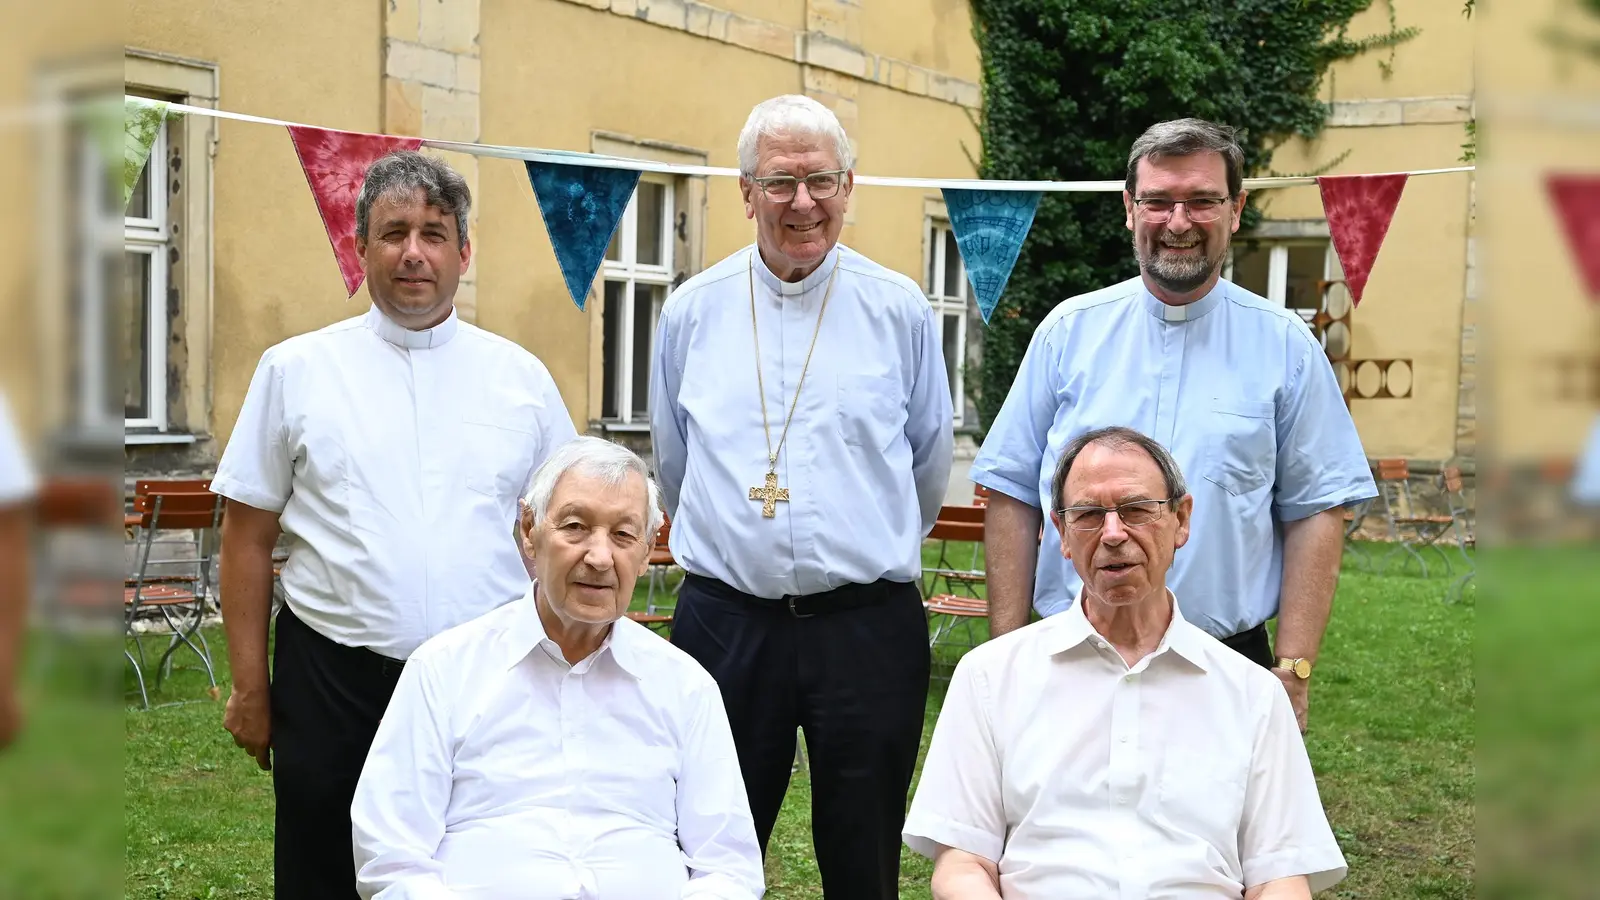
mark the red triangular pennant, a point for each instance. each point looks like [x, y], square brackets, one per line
[1359, 209]
[335, 163]
[1575, 197]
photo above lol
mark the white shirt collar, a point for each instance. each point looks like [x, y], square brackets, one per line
[809, 283]
[619, 641]
[1072, 628]
[400, 336]
[1187, 312]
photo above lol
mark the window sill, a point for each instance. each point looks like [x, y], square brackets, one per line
[625, 427]
[133, 438]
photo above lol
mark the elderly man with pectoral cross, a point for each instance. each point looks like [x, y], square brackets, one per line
[801, 418]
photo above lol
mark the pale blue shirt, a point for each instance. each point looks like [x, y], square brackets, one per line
[1586, 484]
[1234, 386]
[868, 455]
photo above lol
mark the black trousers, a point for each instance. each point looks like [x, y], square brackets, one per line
[1254, 645]
[855, 680]
[327, 700]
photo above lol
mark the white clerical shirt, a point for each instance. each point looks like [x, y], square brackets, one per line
[502, 771]
[395, 459]
[868, 455]
[1182, 776]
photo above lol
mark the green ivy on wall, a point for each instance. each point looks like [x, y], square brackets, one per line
[1069, 84]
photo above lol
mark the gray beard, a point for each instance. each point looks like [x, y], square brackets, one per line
[1177, 274]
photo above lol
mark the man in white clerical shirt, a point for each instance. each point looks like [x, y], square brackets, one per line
[552, 748]
[800, 415]
[390, 449]
[1114, 749]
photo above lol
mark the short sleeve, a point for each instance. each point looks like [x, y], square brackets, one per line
[17, 480]
[257, 468]
[1284, 831]
[958, 801]
[1586, 483]
[1014, 449]
[1321, 464]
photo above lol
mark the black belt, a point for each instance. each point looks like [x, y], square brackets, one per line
[803, 606]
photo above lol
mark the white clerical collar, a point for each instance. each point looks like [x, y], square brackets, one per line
[1189, 311]
[782, 288]
[400, 336]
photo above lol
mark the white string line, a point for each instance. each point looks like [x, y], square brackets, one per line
[600, 161]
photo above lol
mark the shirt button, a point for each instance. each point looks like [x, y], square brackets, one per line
[1123, 739]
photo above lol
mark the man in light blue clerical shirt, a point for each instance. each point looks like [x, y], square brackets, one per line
[800, 414]
[1586, 484]
[1237, 387]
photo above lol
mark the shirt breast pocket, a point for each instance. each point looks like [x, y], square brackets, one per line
[871, 411]
[1244, 445]
[1203, 790]
[497, 459]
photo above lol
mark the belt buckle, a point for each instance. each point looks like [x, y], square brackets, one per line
[791, 598]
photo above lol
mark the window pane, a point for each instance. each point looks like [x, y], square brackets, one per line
[136, 335]
[933, 237]
[139, 203]
[1305, 270]
[953, 357]
[652, 199]
[611, 348]
[952, 266]
[1250, 262]
[647, 299]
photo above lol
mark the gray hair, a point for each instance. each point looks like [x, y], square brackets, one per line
[1117, 436]
[791, 114]
[402, 172]
[598, 458]
[1186, 137]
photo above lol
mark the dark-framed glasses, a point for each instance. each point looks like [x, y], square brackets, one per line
[820, 185]
[1200, 209]
[1134, 514]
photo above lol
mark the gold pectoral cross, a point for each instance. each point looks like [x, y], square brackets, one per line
[769, 495]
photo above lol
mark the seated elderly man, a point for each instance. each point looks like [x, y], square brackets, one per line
[1115, 750]
[552, 748]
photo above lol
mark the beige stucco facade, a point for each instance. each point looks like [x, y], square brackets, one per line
[671, 81]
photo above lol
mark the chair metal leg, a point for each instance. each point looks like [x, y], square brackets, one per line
[138, 674]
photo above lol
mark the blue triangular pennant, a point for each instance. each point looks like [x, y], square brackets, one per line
[582, 206]
[990, 227]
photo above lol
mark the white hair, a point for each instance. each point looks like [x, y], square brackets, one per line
[597, 458]
[793, 115]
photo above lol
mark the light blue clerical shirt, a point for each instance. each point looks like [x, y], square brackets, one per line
[1586, 485]
[867, 457]
[1234, 386]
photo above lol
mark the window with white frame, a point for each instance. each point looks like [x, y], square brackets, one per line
[1302, 274]
[638, 273]
[143, 324]
[946, 287]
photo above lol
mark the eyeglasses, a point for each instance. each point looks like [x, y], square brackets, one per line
[1200, 209]
[820, 185]
[1135, 514]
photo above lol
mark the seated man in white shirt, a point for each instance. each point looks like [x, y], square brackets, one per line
[1115, 750]
[553, 748]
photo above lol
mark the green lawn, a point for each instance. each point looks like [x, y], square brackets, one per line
[1392, 740]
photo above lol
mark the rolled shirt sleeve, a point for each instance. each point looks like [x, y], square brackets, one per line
[930, 426]
[398, 817]
[1321, 463]
[257, 468]
[1284, 832]
[715, 828]
[959, 802]
[1015, 447]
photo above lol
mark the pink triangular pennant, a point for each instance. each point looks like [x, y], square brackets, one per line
[1359, 209]
[335, 163]
[1575, 197]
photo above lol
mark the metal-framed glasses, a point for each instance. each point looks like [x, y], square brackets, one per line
[820, 185]
[1200, 209]
[1134, 514]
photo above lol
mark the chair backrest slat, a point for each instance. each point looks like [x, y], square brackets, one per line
[180, 511]
[945, 530]
[78, 502]
[1393, 470]
[171, 486]
[961, 514]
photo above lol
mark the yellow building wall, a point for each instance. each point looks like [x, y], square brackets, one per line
[936, 34]
[273, 268]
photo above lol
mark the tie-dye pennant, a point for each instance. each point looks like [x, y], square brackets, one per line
[1576, 198]
[581, 206]
[990, 227]
[141, 122]
[1359, 209]
[335, 163]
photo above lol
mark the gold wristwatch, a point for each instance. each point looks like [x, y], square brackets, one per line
[1301, 666]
